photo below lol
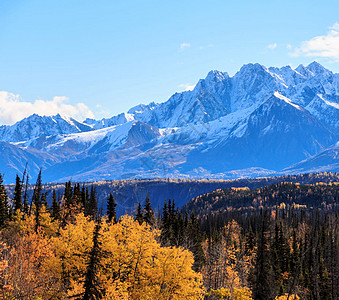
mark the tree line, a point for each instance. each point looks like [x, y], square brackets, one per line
[275, 242]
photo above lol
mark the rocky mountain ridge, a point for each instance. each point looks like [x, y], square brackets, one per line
[260, 121]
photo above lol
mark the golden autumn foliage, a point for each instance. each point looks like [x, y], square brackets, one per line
[289, 297]
[243, 293]
[52, 263]
[228, 264]
[143, 269]
[27, 252]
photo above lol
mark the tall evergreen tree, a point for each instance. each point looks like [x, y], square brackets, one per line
[164, 220]
[55, 208]
[44, 200]
[92, 206]
[68, 195]
[25, 198]
[92, 283]
[77, 194]
[3, 203]
[149, 217]
[139, 216]
[17, 199]
[84, 197]
[111, 212]
[263, 288]
[37, 200]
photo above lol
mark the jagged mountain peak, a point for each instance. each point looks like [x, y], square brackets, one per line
[259, 118]
[316, 68]
[140, 108]
[216, 76]
[35, 126]
[252, 66]
[302, 70]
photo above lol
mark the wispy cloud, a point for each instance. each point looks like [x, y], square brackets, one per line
[326, 46]
[183, 46]
[207, 46]
[186, 86]
[13, 108]
[272, 46]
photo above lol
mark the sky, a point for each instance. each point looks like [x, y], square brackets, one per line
[99, 58]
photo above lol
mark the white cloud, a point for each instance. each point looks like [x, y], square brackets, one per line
[335, 26]
[183, 46]
[289, 46]
[186, 86]
[272, 46]
[321, 46]
[207, 46]
[13, 108]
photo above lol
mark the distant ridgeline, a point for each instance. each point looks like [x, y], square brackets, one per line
[130, 192]
[282, 195]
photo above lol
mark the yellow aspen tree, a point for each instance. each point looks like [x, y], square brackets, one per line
[72, 246]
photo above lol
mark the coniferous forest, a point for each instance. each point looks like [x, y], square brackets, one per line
[275, 242]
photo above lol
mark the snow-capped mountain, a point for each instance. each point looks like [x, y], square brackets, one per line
[263, 119]
[36, 126]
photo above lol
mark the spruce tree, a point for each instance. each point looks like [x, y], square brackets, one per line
[249, 240]
[44, 200]
[55, 208]
[37, 195]
[68, 195]
[139, 215]
[25, 198]
[77, 194]
[92, 283]
[84, 197]
[111, 212]
[263, 288]
[149, 214]
[164, 224]
[92, 206]
[3, 203]
[17, 199]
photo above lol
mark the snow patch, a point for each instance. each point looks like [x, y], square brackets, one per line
[289, 101]
[333, 104]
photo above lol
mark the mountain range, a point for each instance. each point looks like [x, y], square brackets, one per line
[261, 121]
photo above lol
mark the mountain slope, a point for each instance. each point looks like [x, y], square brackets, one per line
[260, 121]
[36, 126]
[324, 161]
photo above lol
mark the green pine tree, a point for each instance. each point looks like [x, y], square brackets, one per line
[37, 200]
[55, 207]
[92, 283]
[149, 217]
[17, 199]
[4, 214]
[92, 205]
[263, 287]
[25, 198]
[139, 216]
[111, 212]
[68, 195]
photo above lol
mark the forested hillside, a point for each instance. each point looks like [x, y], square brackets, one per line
[319, 195]
[279, 240]
[130, 192]
[275, 242]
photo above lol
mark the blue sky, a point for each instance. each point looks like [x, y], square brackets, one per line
[99, 58]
